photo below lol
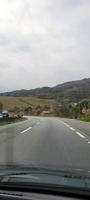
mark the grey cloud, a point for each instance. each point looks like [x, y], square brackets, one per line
[4, 40]
[43, 42]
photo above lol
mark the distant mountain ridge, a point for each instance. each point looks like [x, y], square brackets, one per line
[73, 90]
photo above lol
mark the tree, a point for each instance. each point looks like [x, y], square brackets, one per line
[28, 110]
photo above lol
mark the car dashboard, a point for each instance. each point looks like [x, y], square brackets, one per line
[15, 195]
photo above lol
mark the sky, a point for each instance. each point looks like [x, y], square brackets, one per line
[43, 42]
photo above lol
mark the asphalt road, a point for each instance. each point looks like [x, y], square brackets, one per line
[46, 142]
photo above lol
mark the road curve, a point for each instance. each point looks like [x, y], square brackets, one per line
[46, 142]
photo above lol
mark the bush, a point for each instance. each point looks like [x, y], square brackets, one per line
[85, 118]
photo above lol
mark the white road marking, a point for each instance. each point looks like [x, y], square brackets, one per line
[72, 129]
[67, 125]
[64, 123]
[82, 136]
[26, 130]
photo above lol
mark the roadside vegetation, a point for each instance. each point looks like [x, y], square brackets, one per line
[16, 107]
[23, 102]
[7, 118]
[80, 110]
[12, 109]
[69, 100]
[11, 120]
[85, 118]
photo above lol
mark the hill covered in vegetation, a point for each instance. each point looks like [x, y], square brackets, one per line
[73, 90]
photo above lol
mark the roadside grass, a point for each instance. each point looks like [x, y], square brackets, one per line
[11, 121]
[23, 102]
[85, 118]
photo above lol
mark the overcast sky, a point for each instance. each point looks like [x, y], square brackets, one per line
[43, 42]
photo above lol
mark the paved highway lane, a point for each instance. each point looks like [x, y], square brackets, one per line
[84, 127]
[46, 142]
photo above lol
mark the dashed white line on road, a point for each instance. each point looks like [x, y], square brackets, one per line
[64, 123]
[72, 129]
[82, 136]
[67, 125]
[26, 130]
[79, 134]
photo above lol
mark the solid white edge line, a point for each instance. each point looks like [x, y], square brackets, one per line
[26, 130]
[82, 136]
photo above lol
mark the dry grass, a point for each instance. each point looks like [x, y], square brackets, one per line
[22, 102]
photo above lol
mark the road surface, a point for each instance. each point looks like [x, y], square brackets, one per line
[46, 142]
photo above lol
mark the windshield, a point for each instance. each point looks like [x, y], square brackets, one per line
[45, 91]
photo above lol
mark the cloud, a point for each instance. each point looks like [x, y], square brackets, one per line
[43, 42]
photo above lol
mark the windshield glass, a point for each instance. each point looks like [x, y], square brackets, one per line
[45, 89]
